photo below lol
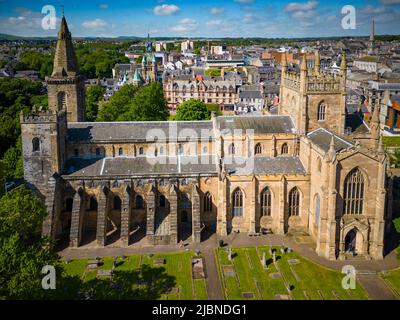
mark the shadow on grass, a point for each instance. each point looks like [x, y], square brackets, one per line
[146, 284]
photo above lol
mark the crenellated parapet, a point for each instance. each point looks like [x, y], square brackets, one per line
[42, 116]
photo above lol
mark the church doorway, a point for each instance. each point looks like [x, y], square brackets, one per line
[350, 242]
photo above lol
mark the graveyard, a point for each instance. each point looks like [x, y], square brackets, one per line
[392, 279]
[278, 273]
[167, 276]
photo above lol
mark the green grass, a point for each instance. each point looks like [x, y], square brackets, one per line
[200, 288]
[315, 280]
[391, 141]
[175, 273]
[392, 278]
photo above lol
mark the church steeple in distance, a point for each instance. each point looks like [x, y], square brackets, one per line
[65, 63]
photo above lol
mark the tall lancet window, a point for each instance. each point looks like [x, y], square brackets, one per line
[353, 194]
[321, 111]
[62, 100]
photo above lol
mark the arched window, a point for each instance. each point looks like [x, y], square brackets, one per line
[321, 111]
[317, 209]
[285, 149]
[257, 149]
[207, 202]
[117, 203]
[294, 202]
[76, 152]
[35, 144]
[68, 204]
[97, 151]
[92, 204]
[353, 194]
[120, 152]
[162, 201]
[205, 150]
[180, 149]
[139, 202]
[231, 149]
[62, 100]
[266, 202]
[141, 151]
[161, 150]
[155, 152]
[237, 203]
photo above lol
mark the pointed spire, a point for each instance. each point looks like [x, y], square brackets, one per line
[372, 35]
[65, 63]
[343, 64]
[375, 115]
[332, 150]
[317, 62]
[303, 66]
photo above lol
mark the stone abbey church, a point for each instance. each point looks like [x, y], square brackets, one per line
[121, 183]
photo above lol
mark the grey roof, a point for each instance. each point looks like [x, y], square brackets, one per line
[136, 131]
[265, 165]
[322, 138]
[250, 95]
[260, 124]
[356, 123]
[140, 166]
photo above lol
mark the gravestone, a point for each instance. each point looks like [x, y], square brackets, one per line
[229, 254]
[289, 250]
[264, 261]
[274, 256]
[283, 249]
[158, 261]
[270, 249]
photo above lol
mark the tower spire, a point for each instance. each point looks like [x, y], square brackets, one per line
[317, 62]
[372, 35]
[65, 63]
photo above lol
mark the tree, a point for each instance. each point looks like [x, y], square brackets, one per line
[23, 252]
[93, 95]
[13, 165]
[149, 104]
[212, 72]
[192, 110]
[118, 104]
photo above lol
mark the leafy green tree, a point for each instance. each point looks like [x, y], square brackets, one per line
[213, 107]
[93, 95]
[33, 60]
[13, 162]
[192, 110]
[118, 104]
[212, 72]
[149, 104]
[23, 252]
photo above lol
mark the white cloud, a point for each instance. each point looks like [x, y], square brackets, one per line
[95, 24]
[304, 14]
[165, 10]
[213, 22]
[185, 25]
[217, 10]
[298, 6]
[103, 6]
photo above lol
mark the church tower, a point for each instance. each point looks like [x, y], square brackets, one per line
[66, 87]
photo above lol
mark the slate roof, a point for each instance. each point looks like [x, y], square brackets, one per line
[322, 138]
[356, 123]
[265, 165]
[123, 166]
[136, 131]
[260, 124]
[250, 95]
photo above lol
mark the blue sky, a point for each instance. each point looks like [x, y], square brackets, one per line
[206, 18]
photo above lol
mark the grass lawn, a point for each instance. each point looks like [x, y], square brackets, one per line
[392, 278]
[139, 278]
[308, 280]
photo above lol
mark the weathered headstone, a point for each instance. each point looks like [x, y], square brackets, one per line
[283, 249]
[263, 261]
[274, 256]
[229, 254]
